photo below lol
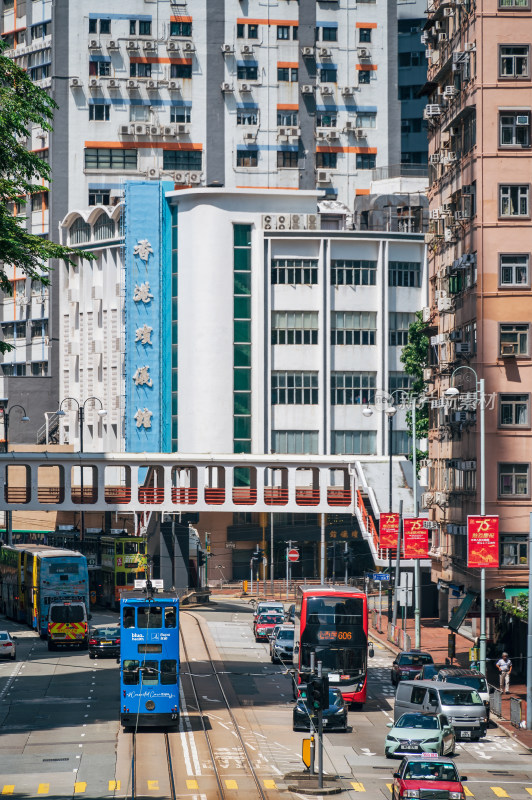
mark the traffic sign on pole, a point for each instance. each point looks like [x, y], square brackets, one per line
[293, 555]
[380, 576]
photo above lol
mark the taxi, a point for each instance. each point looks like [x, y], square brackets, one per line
[428, 776]
[264, 625]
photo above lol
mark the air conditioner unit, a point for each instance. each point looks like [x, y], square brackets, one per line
[456, 335]
[132, 45]
[469, 465]
[347, 91]
[427, 374]
[75, 83]
[97, 292]
[227, 87]
[113, 84]
[94, 44]
[168, 130]
[249, 137]
[140, 130]
[363, 52]
[124, 130]
[247, 50]
[448, 12]
[269, 222]
[307, 51]
[131, 84]
[450, 157]
[244, 87]
[432, 110]
[323, 177]
[181, 177]
[426, 314]
[154, 130]
[445, 304]
[283, 222]
[461, 216]
[181, 128]
[438, 25]
[434, 158]
[307, 88]
[112, 45]
[349, 126]
[441, 499]
[427, 499]
[442, 37]
[463, 348]
[333, 133]
[172, 46]
[434, 213]
[324, 52]
[189, 47]
[153, 172]
[293, 131]
[469, 46]
[508, 349]
[449, 235]
[450, 91]
[149, 45]
[313, 222]
[227, 48]
[151, 84]
[195, 177]
[326, 90]
[174, 86]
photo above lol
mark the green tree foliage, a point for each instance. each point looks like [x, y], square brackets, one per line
[414, 356]
[22, 104]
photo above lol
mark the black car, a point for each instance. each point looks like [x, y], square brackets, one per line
[408, 664]
[104, 641]
[291, 613]
[334, 717]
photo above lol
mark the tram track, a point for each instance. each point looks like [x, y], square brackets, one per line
[203, 714]
[164, 791]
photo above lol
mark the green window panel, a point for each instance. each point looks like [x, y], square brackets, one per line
[242, 353]
[242, 260]
[242, 307]
[242, 283]
[174, 284]
[242, 476]
[242, 402]
[242, 235]
[174, 380]
[242, 331]
[174, 356]
[174, 405]
[242, 380]
[242, 446]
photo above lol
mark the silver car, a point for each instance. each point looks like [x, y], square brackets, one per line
[283, 645]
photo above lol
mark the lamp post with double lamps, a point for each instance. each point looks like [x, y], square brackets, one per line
[81, 416]
[24, 418]
[452, 391]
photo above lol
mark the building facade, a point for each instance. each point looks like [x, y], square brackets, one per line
[478, 112]
[412, 74]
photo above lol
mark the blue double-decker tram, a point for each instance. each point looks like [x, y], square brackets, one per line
[149, 659]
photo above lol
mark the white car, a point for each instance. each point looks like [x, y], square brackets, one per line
[8, 648]
[268, 607]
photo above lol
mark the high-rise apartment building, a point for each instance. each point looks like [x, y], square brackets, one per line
[411, 76]
[479, 320]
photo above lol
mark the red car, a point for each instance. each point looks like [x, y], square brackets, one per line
[438, 775]
[264, 625]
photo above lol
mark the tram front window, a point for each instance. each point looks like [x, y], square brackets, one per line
[130, 548]
[130, 672]
[346, 660]
[150, 673]
[170, 618]
[150, 617]
[169, 671]
[129, 618]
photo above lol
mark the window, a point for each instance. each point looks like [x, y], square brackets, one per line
[328, 75]
[513, 550]
[514, 410]
[364, 35]
[132, 27]
[182, 159]
[399, 380]
[40, 31]
[170, 617]
[248, 72]
[350, 443]
[14, 330]
[242, 338]
[287, 74]
[353, 327]
[39, 201]
[514, 4]
[144, 27]
[169, 669]
[513, 480]
[366, 160]
[39, 328]
[130, 669]
[80, 232]
[287, 158]
[14, 370]
[412, 59]
[326, 160]
[128, 617]
[39, 369]
[93, 26]
[294, 327]
[105, 26]
[287, 117]
[399, 323]
[180, 70]
[514, 129]
[253, 31]
[329, 34]
[99, 112]
[326, 119]
[513, 339]
[353, 388]
[367, 120]
[108, 158]
[295, 442]
[351, 272]
[142, 70]
[514, 201]
[513, 61]
[247, 158]
[247, 116]
[364, 76]
[101, 68]
[149, 617]
[294, 271]
[283, 31]
[513, 270]
[104, 228]
[294, 388]
[180, 29]
[180, 113]
[404, 273]
[400, 443]
[139, 113]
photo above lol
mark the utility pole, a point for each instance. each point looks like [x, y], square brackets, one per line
[346, 560]
[322, 550]
[397, 564]
[417, 568]
[320, 735]
[272, 585]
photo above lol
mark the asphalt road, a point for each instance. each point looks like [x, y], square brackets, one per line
[59, 722]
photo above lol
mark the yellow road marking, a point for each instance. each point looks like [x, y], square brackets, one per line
[231, 784]
[358, 787]
[528, 790]
[192, 785]
[114, 786]
[468, 792]
[390, 786]
[153, 786]
[80, 787]
[268, 784]
[499, 792]
[8, 789]
[44, 788]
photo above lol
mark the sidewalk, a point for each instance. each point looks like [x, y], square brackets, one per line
[434, 641]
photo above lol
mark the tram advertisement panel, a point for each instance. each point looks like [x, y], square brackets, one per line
[416, 538]
[483, 542]
[388, 530]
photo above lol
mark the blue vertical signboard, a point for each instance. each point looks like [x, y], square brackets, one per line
[147, 317]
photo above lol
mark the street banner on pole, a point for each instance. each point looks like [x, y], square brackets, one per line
[416, 538]
[483, 542]
[388, 531]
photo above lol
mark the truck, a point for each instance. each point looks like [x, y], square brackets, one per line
[68, 625]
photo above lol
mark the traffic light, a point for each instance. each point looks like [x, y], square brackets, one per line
[201, 558]
[256, 557]
[318, 693]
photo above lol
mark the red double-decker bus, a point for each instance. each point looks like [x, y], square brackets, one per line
[332, 622]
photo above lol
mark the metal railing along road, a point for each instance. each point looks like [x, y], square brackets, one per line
[516, 711]
[399, 637]
[496, 702]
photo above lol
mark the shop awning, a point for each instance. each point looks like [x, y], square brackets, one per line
[459, 614]
[514, 591]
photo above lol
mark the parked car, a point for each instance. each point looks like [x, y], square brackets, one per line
[283, 645]
[417, 733]
[438, 776]
[407, 665]
[461, 705]
[104, 641]
[428, 672]
[264, 625]
[8, 648]
[467, 677]
[334, 717]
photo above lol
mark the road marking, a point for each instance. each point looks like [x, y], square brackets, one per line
[468, 792]
[191, 784]
[231, 784]
[269, 784]
[44, 788]
[8, 789]
[528, 790]
[358, 787]
[114, 786]
[498, 792]
[390, 787]
[80, 787]
[153, 786]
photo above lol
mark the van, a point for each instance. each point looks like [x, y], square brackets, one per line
[461, 704]
[68, 625]
[467, 677]
[268, 607]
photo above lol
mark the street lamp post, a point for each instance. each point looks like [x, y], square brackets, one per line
[81, 416]
[24, 418]
[452, 391]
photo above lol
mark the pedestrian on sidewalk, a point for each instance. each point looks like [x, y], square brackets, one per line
[504, 665]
